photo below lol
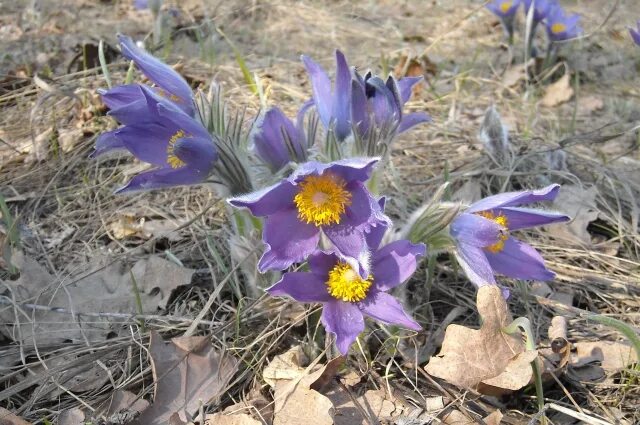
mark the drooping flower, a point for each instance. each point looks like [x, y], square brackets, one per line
[158, 132]
[365, 103]
[483, 242]
[541, 8]
[504, 8]
[347, 297]
[561, 26]
[277, 140]
[317, 198]
[168, 83]
[635, 33]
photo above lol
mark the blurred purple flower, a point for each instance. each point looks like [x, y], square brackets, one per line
[483, 243]
[541, 8]
[278, 141]
[561, 26]
[355, 100]
[158, 132]
[504, 8]
[141, 4]
[168, 83]
[328, 198]
[347, 297]
[635, 33]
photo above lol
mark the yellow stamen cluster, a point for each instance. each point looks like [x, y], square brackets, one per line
[172, 159]
[347, 285]
[167, 95]
[322, 199]
[558, 27]
[505, 6]
[502, 221]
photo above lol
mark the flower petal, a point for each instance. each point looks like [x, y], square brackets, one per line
[475, 230]
[288, 240]
[162, 178]
[513, 199]
[519, 261]
[321, 263]
[147, 142]
[359, 110]
[107, 142]
[474, 262]
[385, 308]
[276, 140]
[395, 263]
[267, 201]
[349, 169]
[302, 287]
[120, 95]
[412, 119]
[159, 72]
[321, 86]
[522, 218]
[345, 321]
[341, 108]
[405, 85]
[196, 152]
[635, 35]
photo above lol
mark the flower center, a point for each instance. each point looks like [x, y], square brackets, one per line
[505, 6]
[172, 159]
[558, 27]
[322, 199]
[501, 219]
[167, 95]
[347, 285]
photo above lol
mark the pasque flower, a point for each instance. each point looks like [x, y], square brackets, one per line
[561, 26]
[504, 8]
[347, 296]
[541, 8]
[483, 242]
[635, 33]
[362, 102]
[168, 83]
[317, 198]
[277, 140]
[158, 132]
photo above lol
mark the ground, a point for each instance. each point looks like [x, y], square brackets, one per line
[72, 230]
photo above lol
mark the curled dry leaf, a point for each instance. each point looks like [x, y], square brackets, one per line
[612, 356]
[487, 355]
[8, 418]
[184, 379]
[558, 92]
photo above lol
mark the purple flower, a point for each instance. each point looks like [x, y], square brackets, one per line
[316, 198]
[561, 26]
[168, 83]
[356, 100]
[504, 8]
[541, 8]
[141, 4]
[635, 33]
[278, 141]
[158, 132]
[347, 297]
[483, 243]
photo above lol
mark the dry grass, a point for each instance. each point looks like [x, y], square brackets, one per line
[55, 188]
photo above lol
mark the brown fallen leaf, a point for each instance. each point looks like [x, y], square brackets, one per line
[184, 379]
[580, 204]
[237, 419]
[8, 418]
[469, 356]
[558, 92]
[285, 367]
[612, 356]
[295, 403]
[455, 417]
[73, 416]
[129, 225]
[123, 404]
[587, 105]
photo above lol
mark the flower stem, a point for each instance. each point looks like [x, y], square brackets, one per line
[525, 325]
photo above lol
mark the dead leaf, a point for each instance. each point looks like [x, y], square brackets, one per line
[514, 75]
[455, 417]
[8, 418]
[587, 105]
[285, 367]
[122, 404]
[558, 92]
[579, 204]
[109, 289]
[469, 356]
[129, 225]
[295, 403]
[612, 356]
[238, 419]
[184, 379]
[376, 404]
[516, 375]
[73, 416]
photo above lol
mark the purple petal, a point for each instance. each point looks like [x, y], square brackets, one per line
[395, 263]
[141, 4]
[321, 263]
[359, 111]
[383, 103]
[385, 308]
[197, 153]
[302, 287]
[276, 140]
[474, 262]
[519, 261]
[412, 119]
[301, 114]
[345, 321]
[375, 235]
[159, 72]
[321, 86]
[181, 120]
[148, 142]
[288, 240]
[475, 230]
[635, 35]
[341, 110]
[522, 218]
[405, 85]
[513, 199]
[107, 142]
[120, 95]
[162, 178]
[269, 200]
[349, 169]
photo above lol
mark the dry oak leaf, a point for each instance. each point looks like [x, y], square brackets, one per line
[295, 402]
[187, 371]
[612, 356]
[558, 92]
[455, 417]
[8, 418]
[237, 419]
[469, 356]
